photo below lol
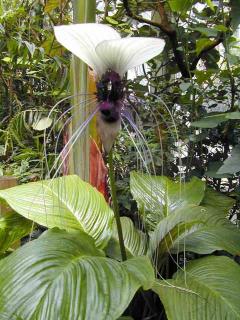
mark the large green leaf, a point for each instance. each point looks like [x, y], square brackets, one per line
[64, 276]
[183, 225]
[67, 203]
[157, 197]
[135, 241]
[171, 228]
[13, 227]
[197, 229]
[209, 289]
[207, 239]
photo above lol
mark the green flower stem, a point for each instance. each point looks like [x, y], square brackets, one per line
[115, 206]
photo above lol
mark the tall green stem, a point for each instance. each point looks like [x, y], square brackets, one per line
[83, 11]
[115, 205]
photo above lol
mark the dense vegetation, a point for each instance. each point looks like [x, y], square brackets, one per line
[177, 178]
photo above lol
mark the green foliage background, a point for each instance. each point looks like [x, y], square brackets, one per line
[34, 76]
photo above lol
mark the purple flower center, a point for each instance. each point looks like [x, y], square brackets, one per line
[110, 96]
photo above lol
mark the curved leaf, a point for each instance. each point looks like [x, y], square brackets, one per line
[67, 203]
[208, 239]
[13, 227]
[158, 197]
[169, 229]
[209, 289]
[64, 276]
[135, 241]
[196, 229]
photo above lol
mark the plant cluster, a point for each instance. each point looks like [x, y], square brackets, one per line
[179, 219]
[75, 270]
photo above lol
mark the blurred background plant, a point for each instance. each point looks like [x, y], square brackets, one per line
[33, 77]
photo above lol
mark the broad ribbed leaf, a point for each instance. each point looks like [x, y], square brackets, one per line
[64, 276]
[207, 239]
[5, 316]
[135, 241]
[157, 197]
[66, 202]
[209, 289]
[13, 227]
[196, 229]
[170, 228]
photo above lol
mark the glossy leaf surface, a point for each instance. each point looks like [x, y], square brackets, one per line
[13, 227]
[135, 241]
[157, 197]
[209, 289]
[64, 276]
[66, 202]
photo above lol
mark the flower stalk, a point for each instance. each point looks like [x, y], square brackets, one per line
[115, 205]
[83, 11]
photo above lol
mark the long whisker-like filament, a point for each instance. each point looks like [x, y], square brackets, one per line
[174, 134]
[69, 109]
[68, 121]
[67, 98]
[92, 100]
[127, 115]
[71, 142]
[180, 163]
[174, 124]
[136, 147]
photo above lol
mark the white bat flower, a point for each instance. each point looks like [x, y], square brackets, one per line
[110, 56]
[102, 48]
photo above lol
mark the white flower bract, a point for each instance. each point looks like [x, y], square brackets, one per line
[102, 48]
